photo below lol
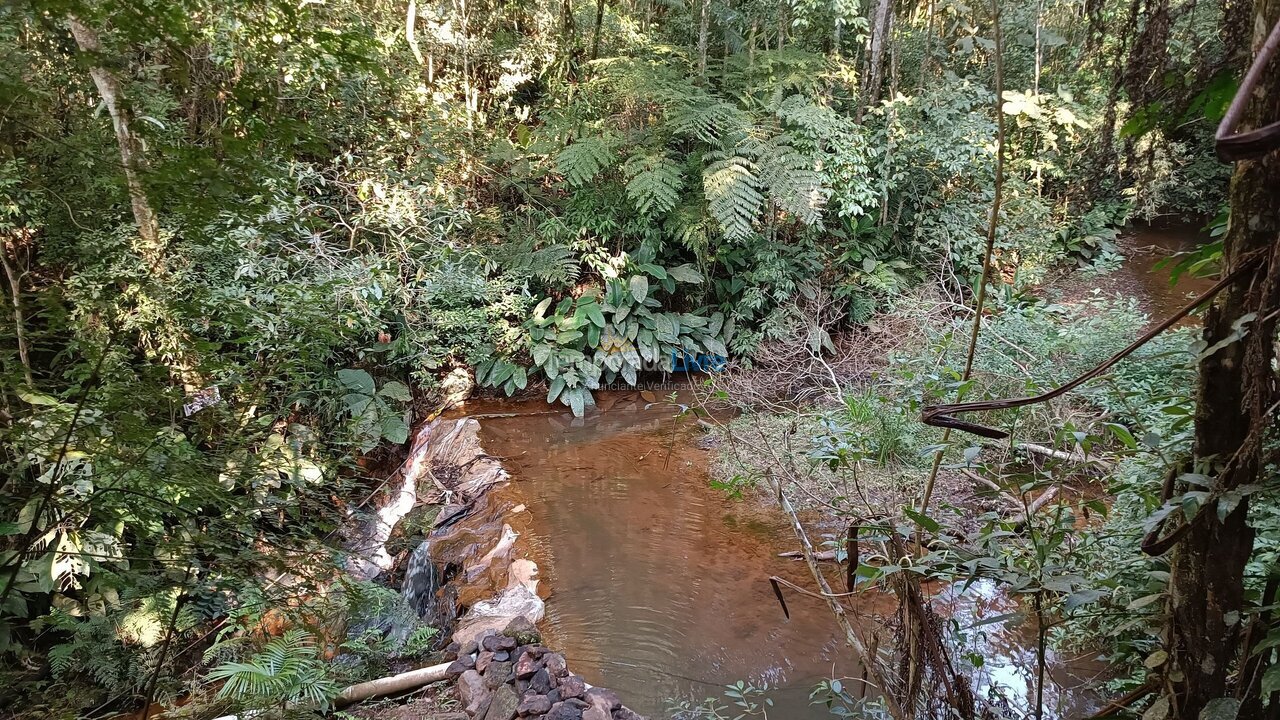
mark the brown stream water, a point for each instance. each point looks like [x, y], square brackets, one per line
[658, 583]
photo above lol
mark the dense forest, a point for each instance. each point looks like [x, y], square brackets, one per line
[249, 246]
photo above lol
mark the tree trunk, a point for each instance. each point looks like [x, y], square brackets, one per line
[130, 149]
[19, 321]
[880, 26]
[410, 27]
[595, 37]
[1236, 390]
[704, 28]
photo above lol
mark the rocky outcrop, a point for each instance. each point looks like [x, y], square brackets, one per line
[497, 662]
[508, 674]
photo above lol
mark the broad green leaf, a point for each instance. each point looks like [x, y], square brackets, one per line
[394, 429]
[396, 391]
[357, 403]
[685, 273]
[639, 287]
[557, 386]
[594, 315]
[357, 380]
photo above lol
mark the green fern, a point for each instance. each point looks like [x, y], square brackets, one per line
[654, 183]
[286, 671]
[705, 118]
[583, 160]
[554, 264]
[731, 185]
[794, 185]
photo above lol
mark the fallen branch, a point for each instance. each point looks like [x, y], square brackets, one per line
[392, 685]
[1059, 454]
[869, 659]
[824, 555]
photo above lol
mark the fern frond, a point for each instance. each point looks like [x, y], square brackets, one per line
[580, 162]
[794, 185]
[705, 118]
[554, 264]
[731, 185]
[654, 183]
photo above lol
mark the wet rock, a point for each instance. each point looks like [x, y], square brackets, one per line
[526, 666]
[502, 656]
[540, 682]
[495, 614]
[522, 631]
[627, 714]
[563, 711]
[499, 673]
[555, 664]
[533, 704]
[573, 686]
[473, 693]
[503, 705]
[494, 643]
[482, 661]
[605, 698]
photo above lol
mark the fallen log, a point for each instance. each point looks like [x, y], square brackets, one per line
[392, 685]
[825, 555]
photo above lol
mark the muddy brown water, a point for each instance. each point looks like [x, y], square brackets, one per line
[656, 583]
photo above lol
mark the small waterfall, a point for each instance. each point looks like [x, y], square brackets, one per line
[421, 581]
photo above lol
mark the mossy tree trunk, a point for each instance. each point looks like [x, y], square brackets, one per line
[1235, 397]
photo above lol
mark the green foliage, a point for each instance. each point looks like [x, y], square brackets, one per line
[287, 671]
[372, 411]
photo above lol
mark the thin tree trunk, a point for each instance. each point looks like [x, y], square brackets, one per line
[928, 42]
[782, 24]
[1235, 394]
[130, 149]
[880, 26]
[704, 28]
[410, 27]
[19, 322]
[595, 37]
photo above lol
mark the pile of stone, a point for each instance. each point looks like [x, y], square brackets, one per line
[509, 675]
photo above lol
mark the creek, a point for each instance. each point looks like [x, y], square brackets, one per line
[657, 583]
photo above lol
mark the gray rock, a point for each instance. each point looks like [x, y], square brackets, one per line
[473, 693]
[459, 666]
[533, 704]
[540, 682]
[572, 686]
[503, 705]
[499, 673]
[502, 656]
[605, 698]
[625, 713]
[563, 711]
[469, 648]
[555, 664]
[522, 630]
[494, 643]
[482, 661]
[595, 712]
